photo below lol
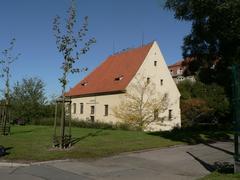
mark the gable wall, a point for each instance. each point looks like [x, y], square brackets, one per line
[156, 73]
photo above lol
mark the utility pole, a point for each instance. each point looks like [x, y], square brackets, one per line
[236, 114]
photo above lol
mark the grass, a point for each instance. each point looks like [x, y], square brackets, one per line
[33, 143]
[219, 176]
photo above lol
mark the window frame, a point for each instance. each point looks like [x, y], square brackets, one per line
[81, 108]
[155, 63]
[170, 116]
[148, 80]
[92, 109]
[106, 109]
[74, 108]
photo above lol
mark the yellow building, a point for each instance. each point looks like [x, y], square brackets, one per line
[104, 88]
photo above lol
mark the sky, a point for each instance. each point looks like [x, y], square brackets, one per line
[114, 23]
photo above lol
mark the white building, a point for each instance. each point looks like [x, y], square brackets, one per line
[177, 71]
[104, 88]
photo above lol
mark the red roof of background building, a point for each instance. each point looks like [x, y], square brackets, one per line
[181, 64]
[114, 74]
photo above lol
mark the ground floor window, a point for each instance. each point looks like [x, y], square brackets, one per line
[106, 110]
[81, 108]
[74, 108]
[155, 114]
[92, 109]
[92, 118]
[170, 114]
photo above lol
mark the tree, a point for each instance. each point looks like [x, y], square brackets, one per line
[141, 105]
[6, 62]
[28, 99]
[203, 103]
[72, 45]
[214, 39]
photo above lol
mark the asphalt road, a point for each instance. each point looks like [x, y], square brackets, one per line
[175, 163]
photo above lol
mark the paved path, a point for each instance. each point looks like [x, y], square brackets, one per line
[176, 163]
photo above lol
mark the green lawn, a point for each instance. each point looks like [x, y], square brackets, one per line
[33, 143]
[218, 176]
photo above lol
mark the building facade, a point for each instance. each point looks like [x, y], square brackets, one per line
[177, 72]
[94, 98]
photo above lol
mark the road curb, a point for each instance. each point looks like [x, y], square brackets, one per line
[49, 162]
[11, 164]
[14, 164]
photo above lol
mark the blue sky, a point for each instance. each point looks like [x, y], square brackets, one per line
[121, 22]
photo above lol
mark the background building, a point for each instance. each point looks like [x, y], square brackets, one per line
[177, 71]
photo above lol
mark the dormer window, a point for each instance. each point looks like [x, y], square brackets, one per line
[84, 83]
[119, 78]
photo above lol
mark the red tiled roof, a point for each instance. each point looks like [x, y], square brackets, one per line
[181, 64]
[114, 74]
[175, 67]
[178, 63]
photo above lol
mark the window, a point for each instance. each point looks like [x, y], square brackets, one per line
[155, 63]
[155, 114]
[92, 109]
[81, 108]
[106, 110]
[170, 114]
[74, 108]
[181, 71]
[161, 82]
[148, 80]
[92, 119]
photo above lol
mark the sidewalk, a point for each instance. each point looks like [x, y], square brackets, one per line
[183, 162]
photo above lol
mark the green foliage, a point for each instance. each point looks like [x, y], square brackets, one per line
[141, 105]
[214, 36]
[5, 71]
[201, 102]
[220, 176]
[72, 45]
[48, 121]
[29, 100]
[101, 125]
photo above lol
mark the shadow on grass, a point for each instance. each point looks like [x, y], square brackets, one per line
[221, 167]
[22, 132]
[4, 151]
[76, 140]
[194, 136]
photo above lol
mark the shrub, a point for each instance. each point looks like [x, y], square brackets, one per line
[202, 103]
[84, 124]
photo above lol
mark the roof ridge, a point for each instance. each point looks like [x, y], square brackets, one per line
[132, 49]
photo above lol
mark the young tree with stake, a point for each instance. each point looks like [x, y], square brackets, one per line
[72, 45]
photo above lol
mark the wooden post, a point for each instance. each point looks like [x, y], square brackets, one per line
[62, 125]
[69, 122]
[55, 125]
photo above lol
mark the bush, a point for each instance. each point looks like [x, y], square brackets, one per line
[83, 124]
[202, 103]
[100, 125]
